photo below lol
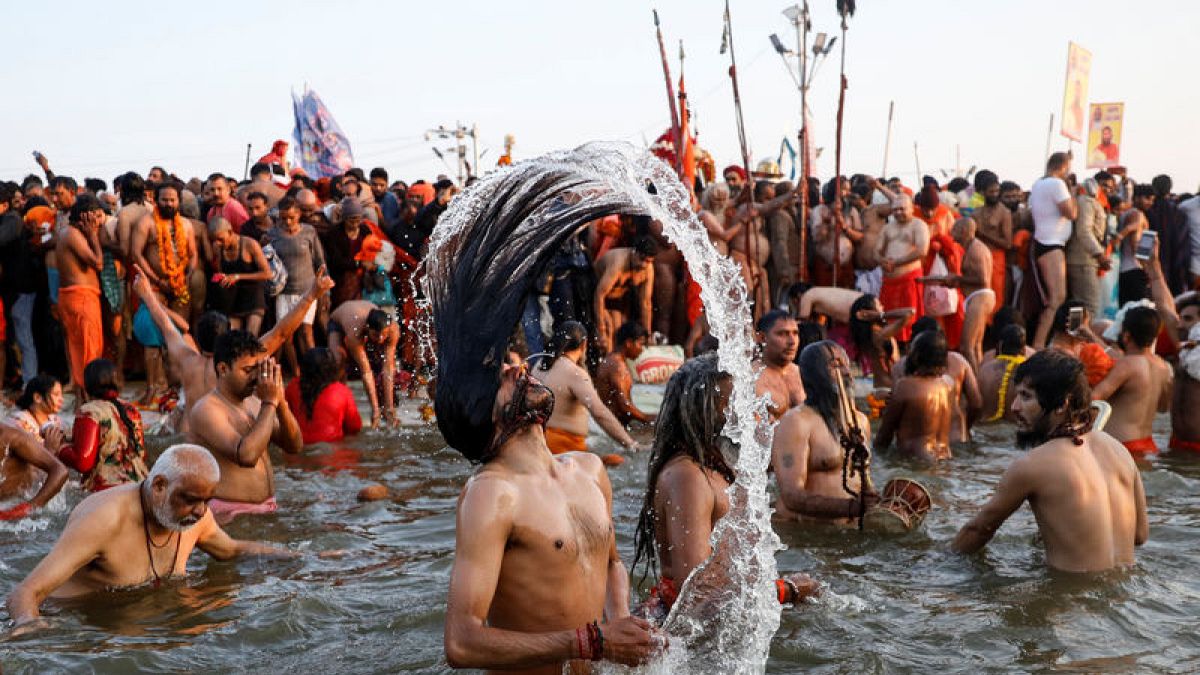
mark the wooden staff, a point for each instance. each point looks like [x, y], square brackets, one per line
[676, 133]
[846, 9]
[747, 195]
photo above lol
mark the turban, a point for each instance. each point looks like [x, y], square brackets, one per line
[741, 172]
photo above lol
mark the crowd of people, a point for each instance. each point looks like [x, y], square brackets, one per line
[967, 303]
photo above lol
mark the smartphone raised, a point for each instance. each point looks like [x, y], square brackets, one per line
[1074, 320]
[1145, 245]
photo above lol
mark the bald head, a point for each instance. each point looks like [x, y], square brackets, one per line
[307, 200]
[219, 226]
[963, 230]
[902, 207]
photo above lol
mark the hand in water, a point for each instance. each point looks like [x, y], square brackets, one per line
[30, 627]
[270, 382]
[374, 419]
[805, 587]
[630, 641]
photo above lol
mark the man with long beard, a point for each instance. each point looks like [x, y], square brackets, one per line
[134, 534]
[1082, 485]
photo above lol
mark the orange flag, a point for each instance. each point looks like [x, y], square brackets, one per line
[689, 148]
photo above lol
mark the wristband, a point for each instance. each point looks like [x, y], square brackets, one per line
[781, 591]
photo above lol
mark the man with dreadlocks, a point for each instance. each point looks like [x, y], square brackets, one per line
[687, 485]
[1084, 488]
[919, 410]
[807, 454]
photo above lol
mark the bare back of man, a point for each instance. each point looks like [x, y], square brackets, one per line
[918, 416]
[614, 385]
[1088, 501]
[624, 291]
[873, 220]
[832, 302]
[991, 378]
[1138, 387]
[682, 485]
[24, 460]
[574, 398]
[808, 469]
[966, 394]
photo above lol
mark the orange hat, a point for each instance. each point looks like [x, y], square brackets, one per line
[424, 190]
[40, 215]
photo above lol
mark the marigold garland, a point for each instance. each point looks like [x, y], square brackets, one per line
[1011, 363]
[174, 250]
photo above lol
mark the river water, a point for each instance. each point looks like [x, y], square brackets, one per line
[892, 604]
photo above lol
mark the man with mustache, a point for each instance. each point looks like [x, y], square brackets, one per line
[1082, 485]
[134, 534]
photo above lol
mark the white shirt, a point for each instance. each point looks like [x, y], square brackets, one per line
[1191, 209]
[1050, 226]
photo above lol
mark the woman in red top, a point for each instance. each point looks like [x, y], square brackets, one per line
[322, 403]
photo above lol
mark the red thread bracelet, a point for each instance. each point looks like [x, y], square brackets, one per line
[781, 590]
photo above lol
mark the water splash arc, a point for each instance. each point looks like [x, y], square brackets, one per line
[727, 611]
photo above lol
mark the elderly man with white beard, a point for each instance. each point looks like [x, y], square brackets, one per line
[134, 534]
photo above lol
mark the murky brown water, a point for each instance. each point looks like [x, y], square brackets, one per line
[898, 604]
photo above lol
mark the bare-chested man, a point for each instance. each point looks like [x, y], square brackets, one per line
[979, 300]
[80, 258]
[995, 375]
[968, 402]
[367, 335]
[835, 251]
[536, 574]
[806, 452]
[995, 229]
[1084, 488]
[624, 288]
[193, 360]
[614, 384]
[919, 410]
[112, 539]
[1140, 384]
[238, 420]
[717, 217]
[687, 486]
[1185, 424]
[1054, 211]
[778, 339]
[163, 247]
[874, 216]
[752, 248]
[900, 248]
[574, 395]
[818, 301]
[22, 454]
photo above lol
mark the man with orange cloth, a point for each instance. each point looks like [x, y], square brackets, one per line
[79, 261]
[901, 247]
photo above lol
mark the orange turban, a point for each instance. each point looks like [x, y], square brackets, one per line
[40, 215]
[424, 190]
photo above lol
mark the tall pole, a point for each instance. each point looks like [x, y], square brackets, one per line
[474, 149]
[747, 194]
[1049, 134]
[839, 218]
[917, 158]
[246, 169]
[802, 25]
[676, 132]
[887, 142]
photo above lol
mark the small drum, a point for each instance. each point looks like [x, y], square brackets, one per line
[902, 506]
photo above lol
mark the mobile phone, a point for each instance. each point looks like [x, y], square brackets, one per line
[1145, 245]
[1074, 320]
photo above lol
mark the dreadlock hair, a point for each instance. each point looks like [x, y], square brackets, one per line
[492, 241]
[689, 424]
[1058, 379]
[318, 370]
[820, 387]
[568, 337]
[927, 354]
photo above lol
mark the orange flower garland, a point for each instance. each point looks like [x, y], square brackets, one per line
[174, 254]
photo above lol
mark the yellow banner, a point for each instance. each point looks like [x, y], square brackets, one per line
[1104, 135]
[1079, 69]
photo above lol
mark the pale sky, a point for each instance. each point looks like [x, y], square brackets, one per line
[101, 88]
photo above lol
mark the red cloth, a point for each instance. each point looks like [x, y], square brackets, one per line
[1180, 444]
[233, 211]
[900, 292]
[1141, 446]
[334, 414]
[85, 443]
[695, 306]
[665, 592]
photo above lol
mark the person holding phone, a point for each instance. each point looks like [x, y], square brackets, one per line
[1132, 283]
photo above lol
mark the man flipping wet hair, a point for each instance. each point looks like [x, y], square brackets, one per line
[1082, 485]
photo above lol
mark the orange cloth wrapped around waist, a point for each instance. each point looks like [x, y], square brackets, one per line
[900, 292]
[561, 441]
[1180, 444]
[79, 307]
[1141, 446]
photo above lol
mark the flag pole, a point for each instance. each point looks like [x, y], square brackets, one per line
[675, 130]
[747, 194]
[887, 143]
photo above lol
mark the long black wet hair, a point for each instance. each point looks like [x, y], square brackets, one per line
[689, 424]
[861, 330]
[479, 275]
[318, 370]
[569, 336]
[820, 388]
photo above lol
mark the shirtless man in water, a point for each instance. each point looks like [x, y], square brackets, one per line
[779, 338]
[355, 327]
[1084, 488]
[574, 395]
[22, 454]
[624, 288]
[1139, 385]
[537, 576]
[919, 410]
[111, 541]
[238, 420]
[807, 453]
[614, 384]
[968, 401]
[193, 359]
[996, 374]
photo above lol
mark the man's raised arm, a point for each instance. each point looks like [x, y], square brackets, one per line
[177, 346]
[275, 338]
